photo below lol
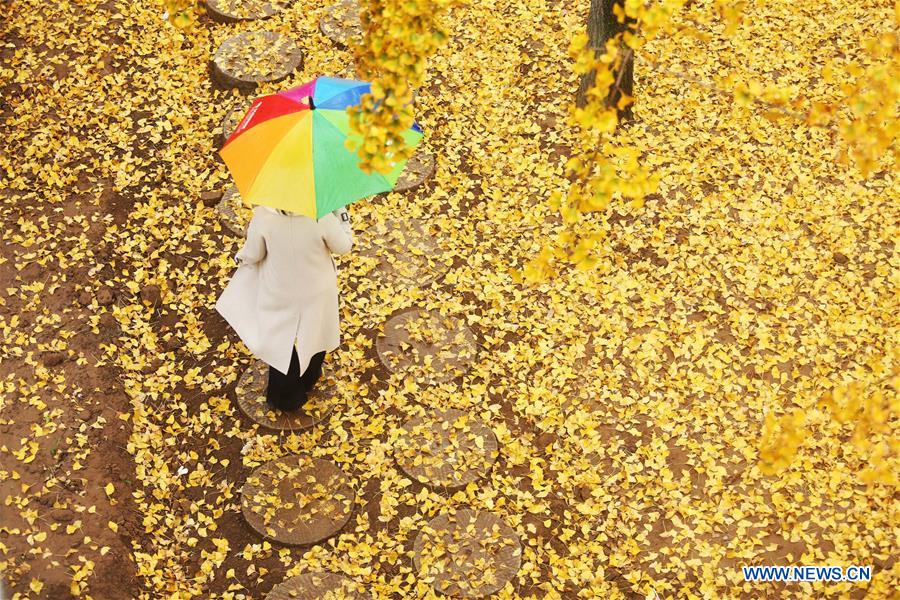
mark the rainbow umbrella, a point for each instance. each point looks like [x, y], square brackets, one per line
[288, 151]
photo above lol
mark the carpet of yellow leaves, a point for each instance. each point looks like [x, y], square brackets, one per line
[628, 402]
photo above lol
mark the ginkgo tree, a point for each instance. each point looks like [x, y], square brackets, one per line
[866, 119]
[397, 45]
[399, 36]
[605, 26]
[182, 13]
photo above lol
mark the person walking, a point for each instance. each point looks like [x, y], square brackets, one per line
[283, 299]
[291, 156]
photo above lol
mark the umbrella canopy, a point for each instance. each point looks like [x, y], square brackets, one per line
[289, 150]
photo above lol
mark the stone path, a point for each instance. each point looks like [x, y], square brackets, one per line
[251, 397]
[229, 11]
[302, 500]
[447, 449]
[297, 499]
[231, 120]
[415, 259]
[470, 554]
[427, 346]
[235, 215]
[317, 586]
[418, 169]
[252, 57]
[341, 24]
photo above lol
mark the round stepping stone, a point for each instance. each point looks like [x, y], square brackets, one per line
[297, 499]
[230, 123]
[417, 171]
[408, 251]
[229, 11]
[251, 397]
[447, 449]
[426, 345]
[317, 586]
[470, 554]
[252, 57]
[234, 213]
[341, 24]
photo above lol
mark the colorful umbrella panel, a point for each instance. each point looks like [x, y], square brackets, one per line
[289, 153]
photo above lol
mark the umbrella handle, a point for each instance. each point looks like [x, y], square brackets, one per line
[311, 105]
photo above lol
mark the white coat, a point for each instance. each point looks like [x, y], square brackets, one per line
[284, 293]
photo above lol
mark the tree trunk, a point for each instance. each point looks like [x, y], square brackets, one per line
[603, 25]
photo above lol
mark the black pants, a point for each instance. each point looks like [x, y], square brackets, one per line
[288, 391]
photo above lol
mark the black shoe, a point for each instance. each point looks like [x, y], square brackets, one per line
[300, 401]
[309, 384]
[281, 405]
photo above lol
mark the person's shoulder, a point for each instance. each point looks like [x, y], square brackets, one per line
[267, 213]
[262, 217]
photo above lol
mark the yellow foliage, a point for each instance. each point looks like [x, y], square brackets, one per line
[781, 437]
[399, 36]
[758, 274]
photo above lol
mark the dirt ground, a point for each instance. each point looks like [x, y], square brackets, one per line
[59, 395]
[61, 401]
